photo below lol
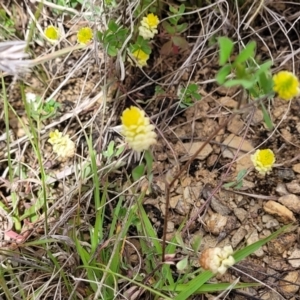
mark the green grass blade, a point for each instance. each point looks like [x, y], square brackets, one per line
[194, 285]
[243, 253]
[267, 118]
[223, 73]
[246, 53]
[212, 287]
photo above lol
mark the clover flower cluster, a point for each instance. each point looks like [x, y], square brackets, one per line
[263, 161]
[62, 145]
[286, 84]
[148, 26]
[84, 35]
[217, 260]
[137, 130]
[52, 33]
[141, 57]
[147, 30]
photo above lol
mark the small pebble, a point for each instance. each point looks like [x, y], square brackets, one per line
[290, 201]
[252, 239]
[280, 212]
[293, 187]
[281, 189]
[286, 174]
[294, 259]
[293, 279]
[272, 224]
[238, 236]
[296, 167]
[241, 214]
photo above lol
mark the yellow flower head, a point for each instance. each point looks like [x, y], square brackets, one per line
[55, 137]
[52, 33]
[141, 57]
[263, 160]
[151, 21]
[148, 26]
[217, 260]
[137, 130]
[85, 35]
[62, 145]
[286, 84]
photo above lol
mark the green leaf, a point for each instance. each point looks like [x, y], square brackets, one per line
[196, 242]
[179, 239]
[110, 149]
[181, 9]
[149, 162]
[182, 264]
[197, 96]
[33, 209]
[247, 84]
[146, 48]
[266, 83]
[226, 46]
[246, 53]
[99, 36]
[113, 26]
[243, 253]
[181, 27]
[166, 48]
[112, 51]
[229, 184]
[180, 42]
[211, 287]
[241, 174]
[267, 118]
[254, 91]
[223, 73]
[138, 172]
[194, 285]
[168, 28]
[239, 185]
[263, 68]
[173, 9]
[193, 87]
[119, 151]
[159, 90]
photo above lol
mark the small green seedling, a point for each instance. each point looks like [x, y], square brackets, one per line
[140, 44]
[41, 111]
[238, 183]
[113, 38]
[173, 30]
[246, 72]
[189, 95]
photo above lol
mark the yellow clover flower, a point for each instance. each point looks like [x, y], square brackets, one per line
[85, 35]
[62, 145]
[52, 33]
[217, 260]
[137, 130]
[151, 21]
[286, 84]
[141, 57]
[263, 160]
[148, 26]
[55, 137]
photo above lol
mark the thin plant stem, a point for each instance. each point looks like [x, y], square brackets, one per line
[7, 131]
[34, 139]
